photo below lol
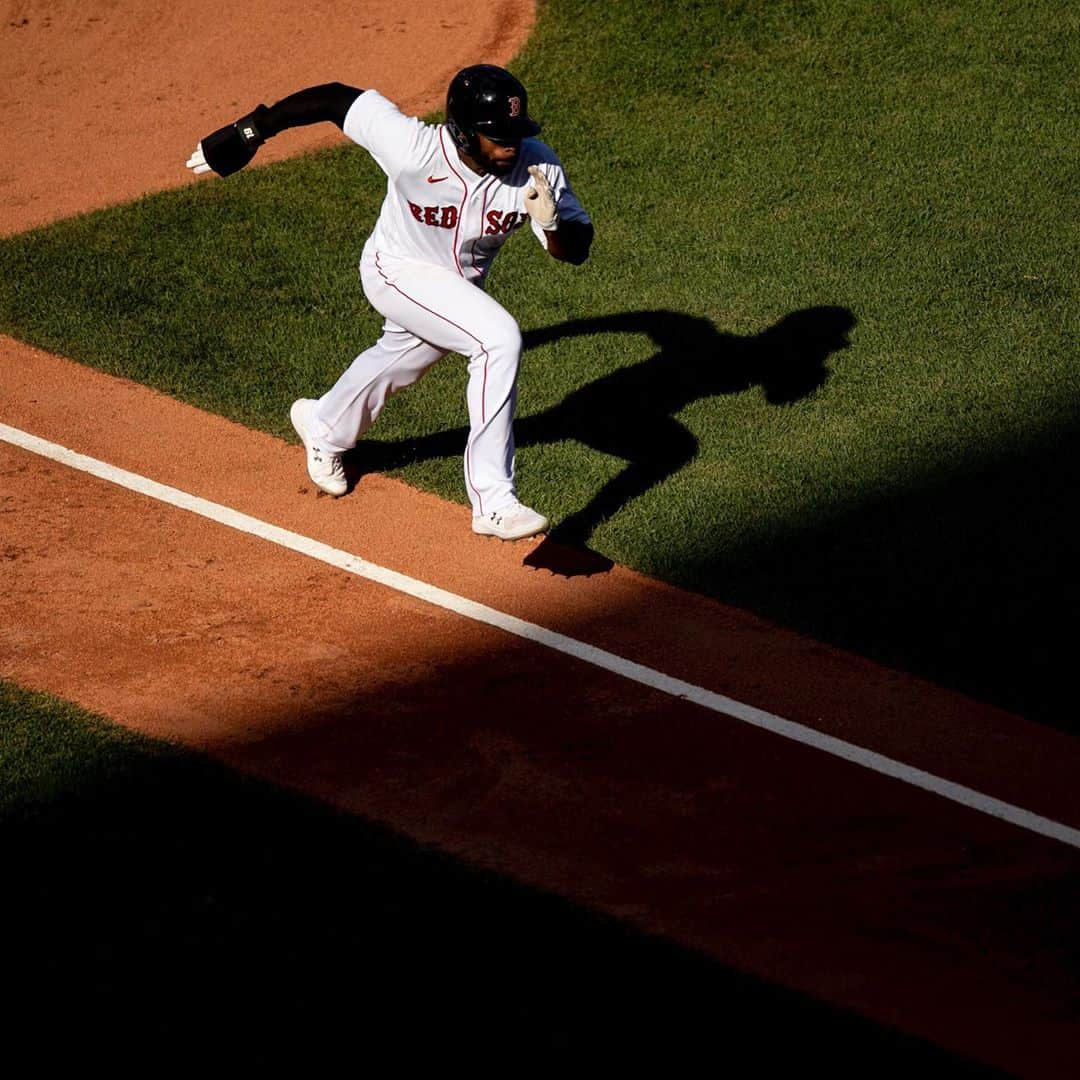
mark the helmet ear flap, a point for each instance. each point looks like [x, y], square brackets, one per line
[462, 141]
[459, 111]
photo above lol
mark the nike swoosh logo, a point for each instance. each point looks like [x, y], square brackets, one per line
[435, 179]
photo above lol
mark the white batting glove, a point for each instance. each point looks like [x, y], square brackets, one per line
[197, 162]
[540, 201]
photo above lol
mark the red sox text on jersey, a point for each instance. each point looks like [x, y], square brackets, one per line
[446, 217]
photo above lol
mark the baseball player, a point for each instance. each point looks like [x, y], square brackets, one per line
[455, 193]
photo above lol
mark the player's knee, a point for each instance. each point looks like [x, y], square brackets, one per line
[504, 341]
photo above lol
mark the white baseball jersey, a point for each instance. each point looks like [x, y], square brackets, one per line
[437, 210]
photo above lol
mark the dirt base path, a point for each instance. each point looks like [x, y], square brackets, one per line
[103, 100]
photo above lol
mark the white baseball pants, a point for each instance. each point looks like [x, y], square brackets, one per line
[429, 312]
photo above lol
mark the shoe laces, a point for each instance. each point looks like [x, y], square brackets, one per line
[325, 457]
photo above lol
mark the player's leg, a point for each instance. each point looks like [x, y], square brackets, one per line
[334, 423]
[450, 314]
[398, 359]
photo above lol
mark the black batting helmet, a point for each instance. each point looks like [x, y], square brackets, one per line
[487, 100]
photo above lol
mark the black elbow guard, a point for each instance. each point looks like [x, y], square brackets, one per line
[579, 241]
[230, 148]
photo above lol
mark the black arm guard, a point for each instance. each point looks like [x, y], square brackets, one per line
[571, 241]
[230, 148]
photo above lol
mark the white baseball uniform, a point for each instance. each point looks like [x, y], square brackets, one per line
[423, 268]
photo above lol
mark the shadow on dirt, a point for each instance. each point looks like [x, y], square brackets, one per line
[167, 912]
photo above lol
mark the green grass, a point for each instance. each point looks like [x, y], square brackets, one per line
[903, 172]
[161, 911]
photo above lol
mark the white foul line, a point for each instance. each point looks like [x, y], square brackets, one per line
[353, 564]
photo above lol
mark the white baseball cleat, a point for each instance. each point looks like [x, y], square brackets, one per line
[513, 522]
[323, 466]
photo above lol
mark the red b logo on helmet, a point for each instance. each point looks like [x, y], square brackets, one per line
[515, 106]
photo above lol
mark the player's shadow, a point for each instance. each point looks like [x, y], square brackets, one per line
[631, 413]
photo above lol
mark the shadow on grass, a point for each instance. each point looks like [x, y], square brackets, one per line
[630, 414]
[963, 579]
[170, 913]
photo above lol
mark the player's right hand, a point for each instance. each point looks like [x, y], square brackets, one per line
[231, 147]
[197, 162]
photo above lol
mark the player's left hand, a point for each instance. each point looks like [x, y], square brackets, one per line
[540, 200]
[197, 162]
